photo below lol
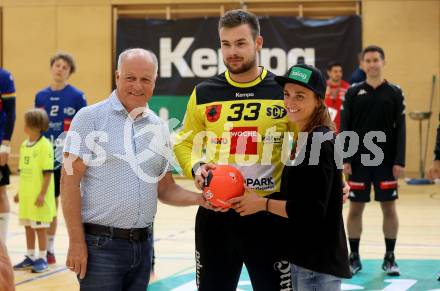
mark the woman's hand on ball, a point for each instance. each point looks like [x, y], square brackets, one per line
[249, 203]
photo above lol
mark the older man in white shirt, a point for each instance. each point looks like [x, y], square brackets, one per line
[116, 165]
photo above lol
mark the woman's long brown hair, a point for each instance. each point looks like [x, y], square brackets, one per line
[320, 117]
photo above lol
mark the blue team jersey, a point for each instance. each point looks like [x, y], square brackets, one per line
[7, 87]
[61, 106]
[7, 91]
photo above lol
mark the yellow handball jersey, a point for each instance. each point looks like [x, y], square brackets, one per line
[35, 160]
[241, 124]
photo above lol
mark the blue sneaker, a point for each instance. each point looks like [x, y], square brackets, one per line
[40, 266]
[26, 264]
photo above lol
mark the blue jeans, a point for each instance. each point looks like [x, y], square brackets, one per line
[116, 264]
[307, 280]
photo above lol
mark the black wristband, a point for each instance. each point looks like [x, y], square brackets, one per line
[267, 205]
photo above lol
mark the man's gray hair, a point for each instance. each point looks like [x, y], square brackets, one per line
[138, 51]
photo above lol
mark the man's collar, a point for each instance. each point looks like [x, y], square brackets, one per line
[117, 105]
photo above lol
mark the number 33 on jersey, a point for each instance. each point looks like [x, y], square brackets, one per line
[242, 124]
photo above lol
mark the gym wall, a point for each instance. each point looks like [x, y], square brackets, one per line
[409, 32]
[33, 30]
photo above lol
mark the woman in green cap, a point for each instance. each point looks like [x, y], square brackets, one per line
[315, 240]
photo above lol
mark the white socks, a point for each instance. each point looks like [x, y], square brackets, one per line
[42, 254]
[31, 254]
[4, 221]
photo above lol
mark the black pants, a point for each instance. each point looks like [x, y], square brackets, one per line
[5, 172]
[57, 181]
[224, 241]
[385, 185]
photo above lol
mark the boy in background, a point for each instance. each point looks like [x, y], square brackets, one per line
[61, 101]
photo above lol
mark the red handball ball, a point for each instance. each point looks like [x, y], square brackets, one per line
[223, 183]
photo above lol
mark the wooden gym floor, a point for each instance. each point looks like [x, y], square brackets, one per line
[419, 239]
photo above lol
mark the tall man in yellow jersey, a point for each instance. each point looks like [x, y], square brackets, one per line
[239, 118]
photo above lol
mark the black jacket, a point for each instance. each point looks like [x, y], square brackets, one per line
[367, 109]
[316, 235]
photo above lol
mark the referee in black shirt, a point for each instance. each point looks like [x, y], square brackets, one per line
[374, 105]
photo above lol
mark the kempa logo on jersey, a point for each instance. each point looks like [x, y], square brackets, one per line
[276, 111]
[208, 62]
[244, 95]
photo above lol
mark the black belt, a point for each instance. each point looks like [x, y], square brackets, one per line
[132, 234]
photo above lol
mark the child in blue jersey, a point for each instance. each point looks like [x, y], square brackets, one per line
[7, 120]
[61, 101]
